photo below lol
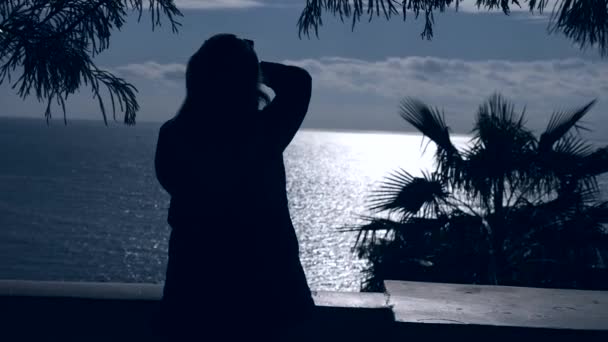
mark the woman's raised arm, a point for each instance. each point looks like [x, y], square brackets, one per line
[284, 115]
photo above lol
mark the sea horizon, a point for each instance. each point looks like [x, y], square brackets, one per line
[405, 130]
[83, 204]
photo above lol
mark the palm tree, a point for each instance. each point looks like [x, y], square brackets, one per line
[499, 211]
[582, 21]
[52, 44]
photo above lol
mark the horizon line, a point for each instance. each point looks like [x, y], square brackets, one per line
[111, 121]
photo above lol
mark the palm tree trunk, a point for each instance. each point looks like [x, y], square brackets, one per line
[499, 189]
[495, 232]
[492, 267]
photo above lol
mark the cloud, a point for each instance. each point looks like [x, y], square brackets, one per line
[166, 73]
[217, 4]
[396, 77]
[461, 85]
[449, 79]
[357, 86]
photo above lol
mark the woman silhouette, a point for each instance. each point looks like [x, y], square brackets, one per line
[234, 268]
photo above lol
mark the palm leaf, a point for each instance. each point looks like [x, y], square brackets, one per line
[500, 154]
[574, 146]
[497, 123]
[429, 121]
[565, 156]
[550, 216]
[409, 195]
[560, 123]
[599, 213]
[596, 163]
[367, 233]
[571, 163]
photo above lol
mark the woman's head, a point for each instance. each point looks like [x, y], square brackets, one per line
[224, 74]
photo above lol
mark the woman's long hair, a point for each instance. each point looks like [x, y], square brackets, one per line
[222, 80]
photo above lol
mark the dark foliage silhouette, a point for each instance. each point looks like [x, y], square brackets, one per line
[233, 251]
[53, 43]
[585, 22]
[511, 208]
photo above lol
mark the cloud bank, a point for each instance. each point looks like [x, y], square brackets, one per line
[457, 79]
[395, 77]
[458, 86]
[168, 74]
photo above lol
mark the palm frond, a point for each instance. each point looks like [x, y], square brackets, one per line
[367, 233]
[555, 213]
[560, 124]
[596, 163]
[599, 213]
[574, 146]
[429, 121]
[409, 195]
[497, 124]
[565, 157]
[474, 179]
[586, 227]
[570, 164]
[500, 153]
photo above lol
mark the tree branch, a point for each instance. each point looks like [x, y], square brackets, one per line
[583, 21]
[54, 42]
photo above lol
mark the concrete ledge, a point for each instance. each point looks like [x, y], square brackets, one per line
[153, 292]
[90, 290]
[68, 311]
[84, 311]
[505, 306]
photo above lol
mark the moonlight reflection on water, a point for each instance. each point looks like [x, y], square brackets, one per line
[330, 175]
[83, 203]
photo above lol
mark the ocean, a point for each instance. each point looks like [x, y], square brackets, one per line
[81, 202]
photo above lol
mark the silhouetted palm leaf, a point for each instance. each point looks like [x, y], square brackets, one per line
[596, 163]
[367, 232]
[497, 123]
[560, 124]
[500, 152]
[598, 214]
[571, 163]
[574, 146]
[409, 195]
[430, 122]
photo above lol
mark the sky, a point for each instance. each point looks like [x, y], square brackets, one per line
[360, 76]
